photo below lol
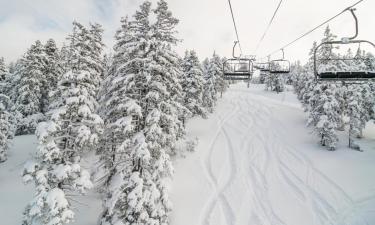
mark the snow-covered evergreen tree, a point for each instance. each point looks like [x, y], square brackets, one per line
[124, 90]
[192, 83]
[326, 52]
[279, 84]
[3, 70]
[325, 114]
[205, 66]
[55, 173]
[144, 107]
[52, 72]
[7, 126]
[4, 74]
[65, 54]
[165, 57]
[355, 113]
[72, 129]
[126, 155]
[214, 81]
[209, 97]
[30, 89]
[274, 82]
[97, 45]
[12, 81]
[216, 69]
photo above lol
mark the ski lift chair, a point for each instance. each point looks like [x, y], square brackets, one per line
[327, 72]
[238, 68]
[279, 66]
[263, 67]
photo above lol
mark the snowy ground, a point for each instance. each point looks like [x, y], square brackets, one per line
[256, 164]
[14, 195]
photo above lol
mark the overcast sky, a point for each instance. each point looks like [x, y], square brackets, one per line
[205, 25]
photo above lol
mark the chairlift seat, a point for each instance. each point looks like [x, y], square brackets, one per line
[237, 76]
[237, 69]
[279, 66]
[279, 71]
[342, 75]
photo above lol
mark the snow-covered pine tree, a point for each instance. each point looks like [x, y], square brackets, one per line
[144, 103]
[325, 114]
[369, 61]
[164, 32]
[3, 70]
[216, 69]
[163, 127]
[4, 74]
[12, 81]
[7, 126]
[65, 54]
[279, 84]
[360, 61]
[30, 89]
[205, 66]
[325, 53]
[274, 82]
[52, 72]
[192, 83]
[368, 103]
[209, 97]
[80, 85]
[214, 81]
[126, 155]
[296, 69]
[56, 172]
[72, 129]
[355, 113]
[306, 83]
[97, 45]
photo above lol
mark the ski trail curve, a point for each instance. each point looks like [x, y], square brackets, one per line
[250, 158]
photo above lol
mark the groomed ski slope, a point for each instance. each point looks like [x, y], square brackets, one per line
[257, 164]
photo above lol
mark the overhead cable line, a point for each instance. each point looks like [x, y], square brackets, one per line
[235, 26]
[268, 26]
[315, 28]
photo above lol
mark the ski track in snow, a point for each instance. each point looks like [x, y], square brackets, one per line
[262, 151]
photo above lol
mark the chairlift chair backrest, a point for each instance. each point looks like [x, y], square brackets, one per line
[281, 66]
[238, 69]
[263, 67]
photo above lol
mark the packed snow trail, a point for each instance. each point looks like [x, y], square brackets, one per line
[256, 175]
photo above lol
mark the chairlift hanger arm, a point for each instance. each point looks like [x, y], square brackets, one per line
[318, 26]
[283, 55]
[234, 48]
[356, 23]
